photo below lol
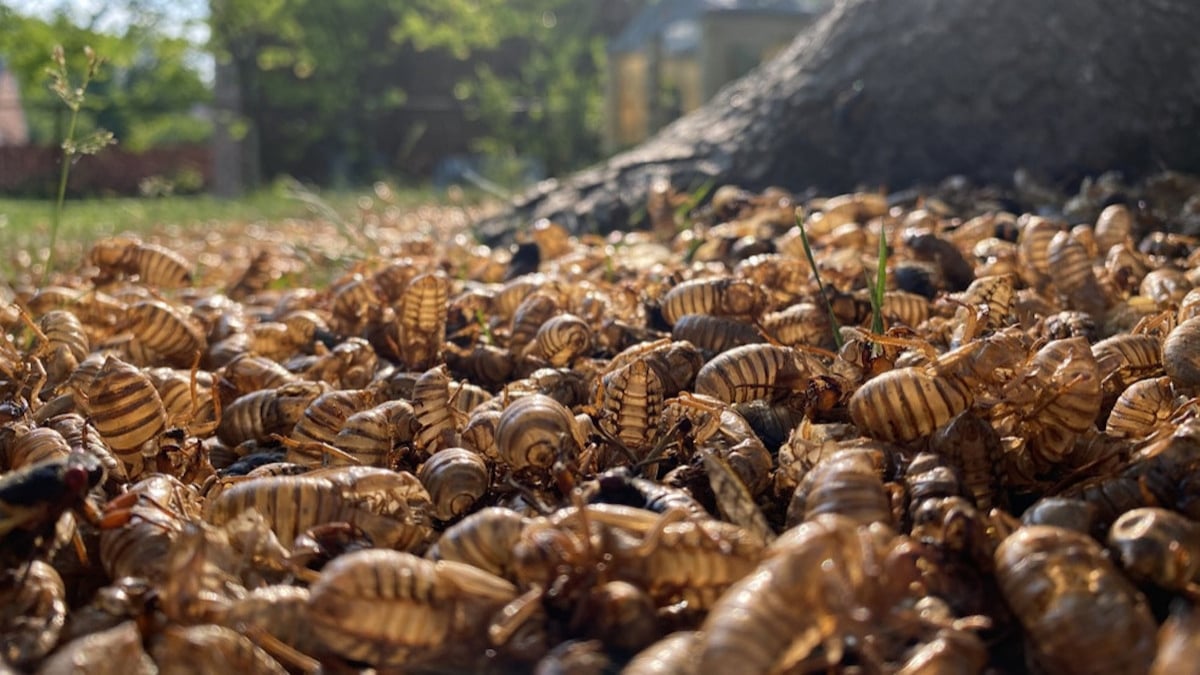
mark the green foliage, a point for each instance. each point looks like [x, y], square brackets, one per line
[347, 89]
[460, 26]
[359, 80]
[144, 96]
[559, 88]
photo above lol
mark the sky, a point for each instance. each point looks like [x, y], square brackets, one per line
[179, 17]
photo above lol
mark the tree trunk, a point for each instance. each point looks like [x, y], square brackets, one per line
[228, 156]
[898, 93]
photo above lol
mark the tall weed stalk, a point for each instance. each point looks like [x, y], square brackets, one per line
[73, 97]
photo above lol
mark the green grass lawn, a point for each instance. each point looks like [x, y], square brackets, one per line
[25, 223]
[28, 220]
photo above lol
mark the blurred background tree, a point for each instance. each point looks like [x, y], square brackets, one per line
[334, 92]
[552, 109]
[345, 91]
[147, 94]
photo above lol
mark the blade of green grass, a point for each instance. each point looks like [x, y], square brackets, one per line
[833, 322]
[880, 283]
[698, 195]
[480, 319]
[321, 208]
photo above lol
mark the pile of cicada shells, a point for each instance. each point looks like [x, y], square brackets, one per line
[649, 452]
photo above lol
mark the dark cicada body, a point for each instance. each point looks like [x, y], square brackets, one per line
[34, 497]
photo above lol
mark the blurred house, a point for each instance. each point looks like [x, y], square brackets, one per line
[675, 54]
[13, 130]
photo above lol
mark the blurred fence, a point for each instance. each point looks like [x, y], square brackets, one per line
[34, 171]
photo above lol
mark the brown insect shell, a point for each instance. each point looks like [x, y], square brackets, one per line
[1159, 546]
[92, 652]
[1181, 355]
[389, 492]
[517, 434]
[1079, 612]
[456, 479]
[389, 608]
